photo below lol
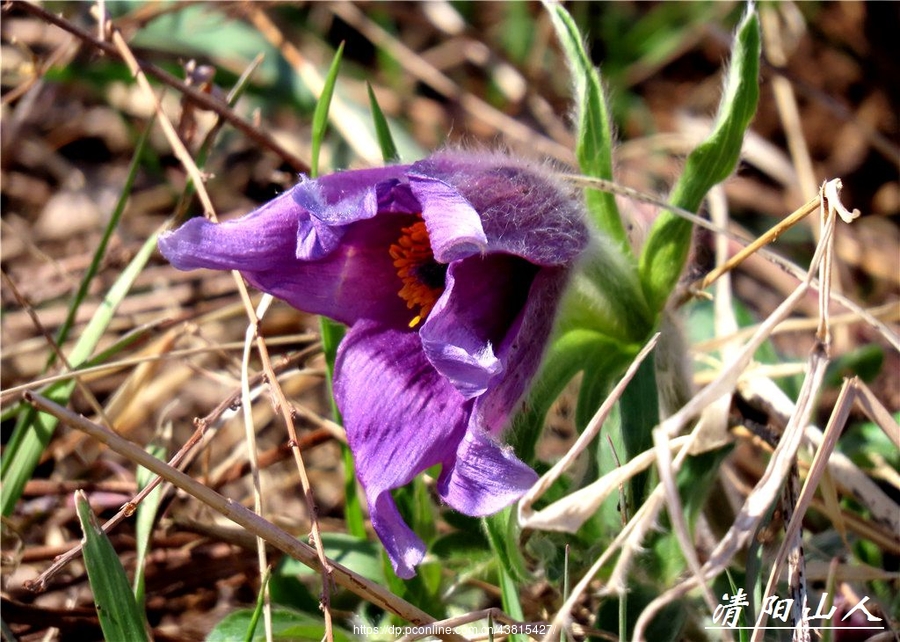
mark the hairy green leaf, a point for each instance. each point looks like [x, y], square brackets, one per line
[594, 129]
[668, 243]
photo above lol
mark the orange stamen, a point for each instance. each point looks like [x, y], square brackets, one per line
[422, 276]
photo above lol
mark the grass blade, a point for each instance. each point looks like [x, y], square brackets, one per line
[320, 116]
[639, 406]
[119, 615]
[332, 332]
[258, 609]
[512, 606]
[382, 130]
[146, 516]
[100, 252]
[501, 530]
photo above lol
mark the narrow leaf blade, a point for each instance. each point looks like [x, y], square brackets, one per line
[594, 135]
[146, 516]
[119, 615]
[668, 243]
[320, 116]
[382, 130]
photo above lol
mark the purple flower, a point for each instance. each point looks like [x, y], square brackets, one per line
[448, 272]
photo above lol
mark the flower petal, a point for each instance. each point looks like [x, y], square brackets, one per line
[454, 226]
[404, 548]
[258, 241]
[486, 476]
[523, 210]
[401, 416]
[521, 350]
[349, 185]
[483, 296]
[356, 280]
[332, 202]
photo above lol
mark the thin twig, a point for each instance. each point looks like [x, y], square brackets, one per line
[253, 458]
[180, 461]
[801, 504]
[284, 407]
[171, 135]
[108, 368]
[777, 230]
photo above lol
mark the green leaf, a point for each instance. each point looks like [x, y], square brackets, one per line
[518, 31]
[594, 134]
[568, 355]
[869, 446]
[415, 503]
[120, 617]
[605, 295]
[502, 532]
[668, 242]
[353, 513]
[359, 555]
[206, 32]
[461, 549]
[382, 130]
[640, 414]
[286, 625]
[146, 517]
[864, 362]
[320, 116]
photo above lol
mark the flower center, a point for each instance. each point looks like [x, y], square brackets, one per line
[423, 278]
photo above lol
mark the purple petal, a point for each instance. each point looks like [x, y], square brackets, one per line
[521, 350]
[334, 201]
[349, 185]
[258, 241]
[483, 297]
[486, 477]
[523, 210]
[356, 280]
[404, 548]
[454, 226]
[402, 417]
